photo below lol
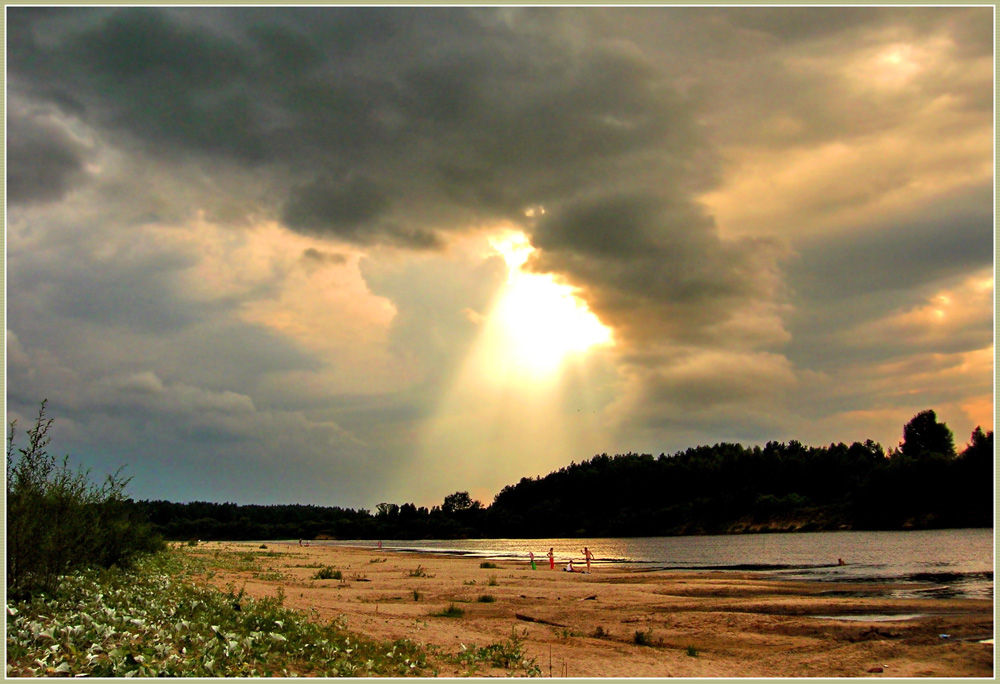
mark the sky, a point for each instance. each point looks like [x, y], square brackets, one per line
[345, 256]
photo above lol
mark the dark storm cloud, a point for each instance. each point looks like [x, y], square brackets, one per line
[953, 236]
[43, 161]
[428, 121]
[653, 267]
[367, 112]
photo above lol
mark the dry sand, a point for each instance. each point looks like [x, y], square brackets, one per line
[739, 625]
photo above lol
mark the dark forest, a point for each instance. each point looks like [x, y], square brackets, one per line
[923, 483]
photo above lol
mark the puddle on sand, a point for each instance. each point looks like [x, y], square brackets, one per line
[868, 618]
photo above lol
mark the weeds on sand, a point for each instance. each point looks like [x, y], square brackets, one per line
[489, 566]
[377, 560]
[154, 621]
[452, 611]
[692, 651]
[486, 598]
[508, 654]
[270, 575]
[418, 572]
[643, 638]
[492, 582]
[600, 633]
[327, 573]
[417, 595]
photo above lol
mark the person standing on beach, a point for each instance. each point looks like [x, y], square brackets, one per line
[587, 555]
[552, 559]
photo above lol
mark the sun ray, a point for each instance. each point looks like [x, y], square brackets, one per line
[540, 322]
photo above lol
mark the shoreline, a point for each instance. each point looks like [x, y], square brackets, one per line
[925, 582]
[618, 622]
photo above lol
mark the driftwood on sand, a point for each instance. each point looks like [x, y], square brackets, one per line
[528, 618]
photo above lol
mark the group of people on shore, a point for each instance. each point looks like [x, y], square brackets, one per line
[587, 555]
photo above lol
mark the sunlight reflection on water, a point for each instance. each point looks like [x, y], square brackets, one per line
[936, 563]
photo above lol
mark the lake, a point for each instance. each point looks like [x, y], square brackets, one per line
[936, 563]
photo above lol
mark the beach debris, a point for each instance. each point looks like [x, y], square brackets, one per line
[876, 670]
[944, 636]
[590, 598]
[528, 618]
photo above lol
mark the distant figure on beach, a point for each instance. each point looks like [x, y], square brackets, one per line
[587, 555]
[532, 557]
[552, 559]
[300, 542]
[569, 566]
[380, 543]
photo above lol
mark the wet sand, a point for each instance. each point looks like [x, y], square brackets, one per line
[585, 625]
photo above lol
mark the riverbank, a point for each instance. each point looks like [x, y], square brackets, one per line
[620, 623]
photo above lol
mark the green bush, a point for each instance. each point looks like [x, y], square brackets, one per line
[643, 638]
[452, 611]
[58, 520]
[328, 573]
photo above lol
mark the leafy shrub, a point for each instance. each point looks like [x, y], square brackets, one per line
[328, 573]
[153, 621]
[508, 654]
[486, 598]
[452, 611]
[57, 519]
[643, 638]
[692, 651]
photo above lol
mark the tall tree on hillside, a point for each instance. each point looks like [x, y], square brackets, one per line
[458, 502]
[924, 436]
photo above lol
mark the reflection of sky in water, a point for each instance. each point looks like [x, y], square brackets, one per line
[939, 563]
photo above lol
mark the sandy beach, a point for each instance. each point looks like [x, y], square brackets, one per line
[586, 625]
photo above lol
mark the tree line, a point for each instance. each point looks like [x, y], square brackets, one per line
[923, 483]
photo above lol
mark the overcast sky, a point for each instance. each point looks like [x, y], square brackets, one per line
[263, 255]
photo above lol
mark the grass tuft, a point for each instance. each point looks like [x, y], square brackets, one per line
[643, 638]
[452, 611]
[327, 573]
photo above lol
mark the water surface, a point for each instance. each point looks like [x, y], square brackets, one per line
[934, 563]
